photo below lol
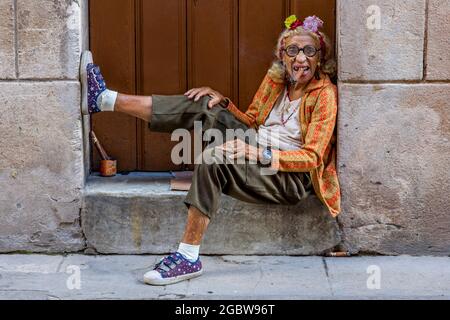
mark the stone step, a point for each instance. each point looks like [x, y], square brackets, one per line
[139, 214]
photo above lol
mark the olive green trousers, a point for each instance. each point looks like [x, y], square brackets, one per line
[241, 181]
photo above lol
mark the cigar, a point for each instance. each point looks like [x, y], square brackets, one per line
[338, 254]
[99, 147]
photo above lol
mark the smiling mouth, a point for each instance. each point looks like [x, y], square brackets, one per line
[302, 69]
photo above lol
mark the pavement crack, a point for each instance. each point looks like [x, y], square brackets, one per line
[24, 290]
[58, 269]
[233, 261]
[325, 266]
[171, 296]
[261, 275]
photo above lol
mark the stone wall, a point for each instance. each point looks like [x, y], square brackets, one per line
[41, 159]
[393, 126]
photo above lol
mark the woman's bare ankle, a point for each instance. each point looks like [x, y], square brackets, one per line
[136, 106]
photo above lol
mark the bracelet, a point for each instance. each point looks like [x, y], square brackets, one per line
[226, 103]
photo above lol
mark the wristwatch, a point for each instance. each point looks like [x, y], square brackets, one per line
[224, 103]
[267, 156]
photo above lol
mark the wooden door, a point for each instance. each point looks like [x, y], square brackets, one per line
[169, 46]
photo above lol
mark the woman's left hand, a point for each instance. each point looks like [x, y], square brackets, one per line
[235, 149]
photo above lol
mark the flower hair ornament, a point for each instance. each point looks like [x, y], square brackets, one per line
[311, 24]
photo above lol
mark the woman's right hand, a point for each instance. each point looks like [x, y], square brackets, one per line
[198, 93]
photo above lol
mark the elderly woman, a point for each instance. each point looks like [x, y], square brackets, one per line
[294, 114]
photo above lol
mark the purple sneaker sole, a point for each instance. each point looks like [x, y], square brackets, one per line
[92, 84]
[165, 281]
[86, 58]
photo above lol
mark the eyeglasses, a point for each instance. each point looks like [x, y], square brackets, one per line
[309, 51]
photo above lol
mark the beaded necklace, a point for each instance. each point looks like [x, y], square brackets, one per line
[287, 106]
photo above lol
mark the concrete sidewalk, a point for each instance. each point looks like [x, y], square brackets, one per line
[226, 277]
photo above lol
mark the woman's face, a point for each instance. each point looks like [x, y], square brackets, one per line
[301, 68]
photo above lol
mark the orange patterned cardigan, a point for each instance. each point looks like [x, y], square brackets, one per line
[318, 112]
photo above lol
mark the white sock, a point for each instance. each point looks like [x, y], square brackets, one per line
[107, 100]
[189, 251]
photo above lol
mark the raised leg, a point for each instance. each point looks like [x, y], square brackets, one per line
[96, 97]
[163, 113]
[136, 106]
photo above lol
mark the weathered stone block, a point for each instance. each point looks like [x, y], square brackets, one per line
[41, 167]
[393, 158]
[139, 214]
[7, 40]
[49, 38]
[438, 55]
[394, 51]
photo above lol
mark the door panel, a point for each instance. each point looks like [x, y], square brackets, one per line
[113, 46]
[259, 27]
[212, 45]
[162, 70]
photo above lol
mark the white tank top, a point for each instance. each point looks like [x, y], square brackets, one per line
[282, 127]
